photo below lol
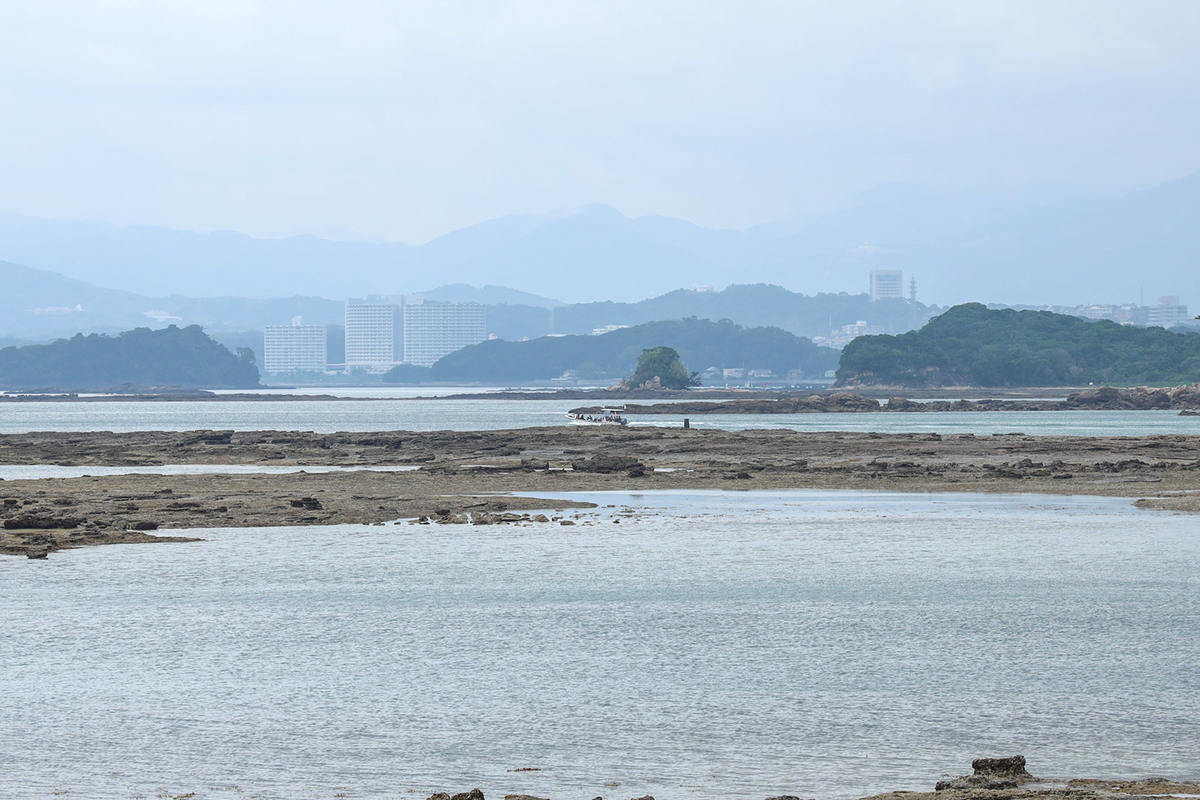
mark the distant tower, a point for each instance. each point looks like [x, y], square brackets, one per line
[914, 313]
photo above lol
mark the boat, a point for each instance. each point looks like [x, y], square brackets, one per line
[610, 416]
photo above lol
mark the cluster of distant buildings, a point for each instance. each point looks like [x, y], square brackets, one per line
[381, 332]
[888, 284]
[1168, 313]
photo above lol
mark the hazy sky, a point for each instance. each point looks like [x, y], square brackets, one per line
[408, 119]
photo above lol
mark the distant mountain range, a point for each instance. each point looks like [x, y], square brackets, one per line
[38, 305]
[488, 296]
[999, 247]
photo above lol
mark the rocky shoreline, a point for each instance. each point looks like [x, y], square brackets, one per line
[990, 779]
[1185, 399]
[461, 477]
[1007, 779]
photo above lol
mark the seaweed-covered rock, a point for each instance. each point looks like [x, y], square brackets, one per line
[1010, 767]
[974, 782]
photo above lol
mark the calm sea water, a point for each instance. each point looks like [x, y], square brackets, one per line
[718, 645]
[23, 472]
[431, 414]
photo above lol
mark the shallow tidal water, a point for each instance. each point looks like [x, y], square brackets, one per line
[331, 416]
[710, 645]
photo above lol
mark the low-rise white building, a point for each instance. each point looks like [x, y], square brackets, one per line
[1169, 313]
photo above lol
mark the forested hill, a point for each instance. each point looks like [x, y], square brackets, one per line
[700, 342]
[141, 357]
[970, 345]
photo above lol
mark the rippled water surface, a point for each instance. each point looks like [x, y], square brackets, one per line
[738, 644]
[18, 472]
[464, 415]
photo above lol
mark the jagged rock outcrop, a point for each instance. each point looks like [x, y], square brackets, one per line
[1010, 767]
[991, 774]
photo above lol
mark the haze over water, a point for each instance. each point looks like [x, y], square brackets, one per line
[736, 644]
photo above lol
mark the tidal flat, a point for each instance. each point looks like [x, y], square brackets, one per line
[454, 476]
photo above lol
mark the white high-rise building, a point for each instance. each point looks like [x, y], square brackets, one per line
[887, 284]
[433, 330]
[294, 348]
[374, 333]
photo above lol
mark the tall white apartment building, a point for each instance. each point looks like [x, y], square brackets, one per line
[374, 332]
[433, 330]
[887, 284]
[294, 348]
[1168, 312]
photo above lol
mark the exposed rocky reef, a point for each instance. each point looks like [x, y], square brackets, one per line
[1106, 398]
[992, 779]
[459, 477]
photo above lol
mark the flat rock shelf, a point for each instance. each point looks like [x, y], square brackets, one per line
[463, 472]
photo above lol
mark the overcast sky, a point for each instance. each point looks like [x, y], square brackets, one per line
[405, 120]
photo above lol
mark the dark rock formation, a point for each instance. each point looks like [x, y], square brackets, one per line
[607, 463]
[307, 503]
[1011, 767]
[42, 522]
[972, 782]
[144, 525]
[991, 774]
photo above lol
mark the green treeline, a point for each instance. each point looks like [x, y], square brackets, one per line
[141, 357]
[700, 343]
[971, 345]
